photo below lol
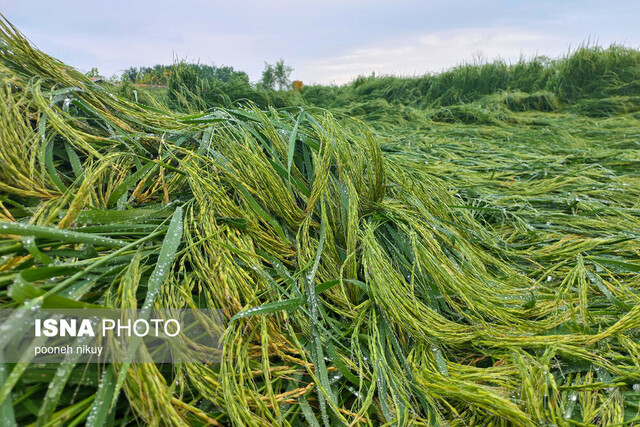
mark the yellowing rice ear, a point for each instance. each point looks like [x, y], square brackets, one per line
[464, 275]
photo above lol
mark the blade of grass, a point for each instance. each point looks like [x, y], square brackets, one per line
[170, 245]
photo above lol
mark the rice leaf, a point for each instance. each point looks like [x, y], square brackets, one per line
[130, 182]
[170, 244]
[292, 144]
[63, 236]
[272, 307]
[7, 416]
[105, 395]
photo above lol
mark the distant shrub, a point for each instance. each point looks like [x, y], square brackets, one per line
[603, 107]
[540, 84]
[522, 101]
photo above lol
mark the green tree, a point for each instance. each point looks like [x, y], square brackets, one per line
[131, 73]
[93, 73]
[282, 73]
[268, 80]
[277, 74]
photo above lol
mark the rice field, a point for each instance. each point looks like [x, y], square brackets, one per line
[456, 265]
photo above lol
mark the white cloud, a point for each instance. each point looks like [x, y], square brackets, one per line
[432, 52]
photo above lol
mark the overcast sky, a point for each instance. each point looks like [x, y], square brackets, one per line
[325, 41]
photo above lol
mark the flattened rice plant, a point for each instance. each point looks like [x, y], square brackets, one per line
[357, 286]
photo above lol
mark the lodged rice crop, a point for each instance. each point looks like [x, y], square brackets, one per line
[472, 276]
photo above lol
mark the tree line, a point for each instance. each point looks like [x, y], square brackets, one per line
[274, 76]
